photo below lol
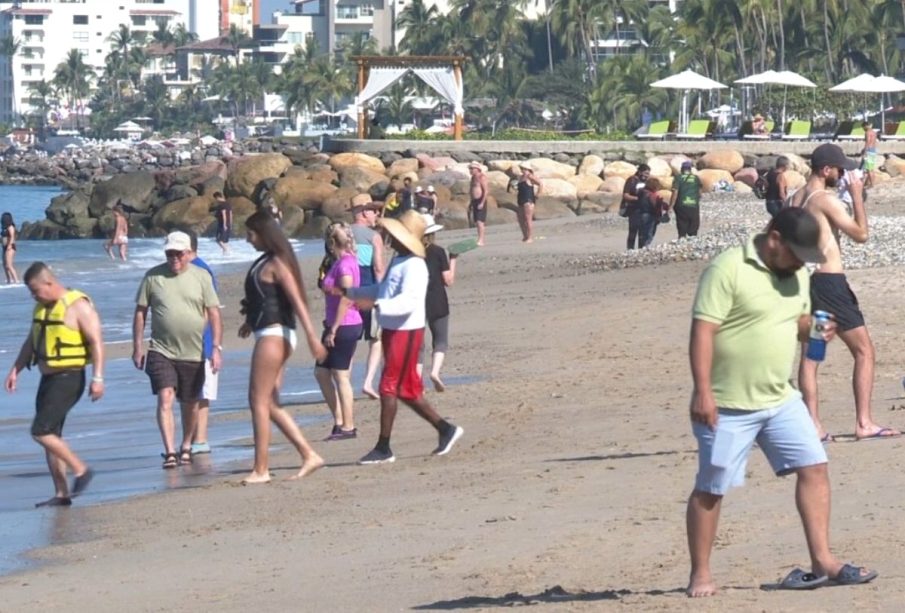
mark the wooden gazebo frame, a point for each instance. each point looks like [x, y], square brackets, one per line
[365, 62]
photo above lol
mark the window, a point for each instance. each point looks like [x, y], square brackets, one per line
[80, 37]
[34, 20]
[367, 10]
[80, 20]
[346, 12]
[296, 38]
[139, 20]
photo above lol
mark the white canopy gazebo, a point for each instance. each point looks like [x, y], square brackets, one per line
[442, 73]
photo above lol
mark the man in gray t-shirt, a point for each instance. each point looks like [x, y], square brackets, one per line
[371, 264]
[181, 299]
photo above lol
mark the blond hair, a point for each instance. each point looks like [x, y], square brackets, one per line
[339, 234]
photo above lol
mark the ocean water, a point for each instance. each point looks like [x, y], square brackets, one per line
[117, 435]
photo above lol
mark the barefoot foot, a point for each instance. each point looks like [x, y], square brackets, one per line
[438, 383]
[700, 587]
[255, 478]
[310, 465]
[370, 393]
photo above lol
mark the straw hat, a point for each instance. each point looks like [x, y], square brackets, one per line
[475, 165]
[408, 230]
[362, 202]
[526, 166]
[430, 188]
[431, 223]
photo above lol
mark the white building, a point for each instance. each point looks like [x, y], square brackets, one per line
[48, 29]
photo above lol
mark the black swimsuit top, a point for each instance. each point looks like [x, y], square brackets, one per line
[265, 304]
[525, 192]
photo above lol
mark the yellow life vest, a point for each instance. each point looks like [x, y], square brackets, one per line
[55, 343]
[391, 203]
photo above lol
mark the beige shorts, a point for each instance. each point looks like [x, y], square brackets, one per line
[211, 382]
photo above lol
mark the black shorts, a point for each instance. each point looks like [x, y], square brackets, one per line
[57, 393]
[370, 331]
[222, 235]
[478, 214]
[830, 292]
[187, 378]
[339, 356]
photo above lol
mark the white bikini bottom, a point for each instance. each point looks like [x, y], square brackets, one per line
[287, 334]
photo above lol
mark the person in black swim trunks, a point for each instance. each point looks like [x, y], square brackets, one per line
[274, 296]
[528, 187]
[776, 186]
[478, 204]
[65, 336]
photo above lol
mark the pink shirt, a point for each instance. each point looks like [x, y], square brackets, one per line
[347, 265]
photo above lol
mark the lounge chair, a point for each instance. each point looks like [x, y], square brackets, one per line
[899, 134]
[699, 129]
[746, 133]
[856, 132]
[658, 130]
[797, 130]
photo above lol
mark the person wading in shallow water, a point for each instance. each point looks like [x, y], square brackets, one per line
[64, 338]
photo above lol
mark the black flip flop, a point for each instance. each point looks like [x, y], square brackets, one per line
[800, 579]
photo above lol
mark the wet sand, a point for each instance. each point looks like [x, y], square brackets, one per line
[567, 490]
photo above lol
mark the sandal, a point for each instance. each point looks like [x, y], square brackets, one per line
[169, 460]
[185, 456]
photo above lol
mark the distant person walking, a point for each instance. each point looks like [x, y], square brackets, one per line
[869, 153]
[342, 329]
[830, 290]
[120, 236]
[685, 201]
[64, 338]
[399, 301]
[181, 299]
[209, 389]
[630, 196]
[777, 188]
[8, 240]
[441, 273]
[274, 296]
[371, 267]
[223, 211]
[528, 187]
[478, 192]
[751, 305]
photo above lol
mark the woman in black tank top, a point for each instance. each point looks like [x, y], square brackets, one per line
[274, 296]
[527, 188]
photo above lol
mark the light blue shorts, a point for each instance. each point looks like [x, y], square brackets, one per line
[786, 434]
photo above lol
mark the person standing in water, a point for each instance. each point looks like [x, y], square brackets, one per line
[120, 237]
[8, 241]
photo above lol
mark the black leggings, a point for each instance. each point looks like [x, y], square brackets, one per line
[688, 220]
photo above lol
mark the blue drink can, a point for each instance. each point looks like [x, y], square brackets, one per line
[816, 343]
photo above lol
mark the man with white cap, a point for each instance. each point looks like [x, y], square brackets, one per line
[181, 299]
[399, 301]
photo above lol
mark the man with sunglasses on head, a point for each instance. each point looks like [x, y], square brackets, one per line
[181, 299]
[830, 290]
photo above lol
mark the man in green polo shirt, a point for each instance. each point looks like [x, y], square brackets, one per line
[686, 201]
[752, 307]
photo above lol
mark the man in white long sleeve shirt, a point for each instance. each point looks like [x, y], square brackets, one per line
[399, 301]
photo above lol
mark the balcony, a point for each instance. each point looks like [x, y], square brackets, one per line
[353, 15]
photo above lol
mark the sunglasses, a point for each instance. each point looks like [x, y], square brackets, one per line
[174, 254]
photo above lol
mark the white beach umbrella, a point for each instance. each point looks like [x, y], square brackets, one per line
[881, 85]
[687, 80]
[854, 84]
[786, 78]
[757, 79]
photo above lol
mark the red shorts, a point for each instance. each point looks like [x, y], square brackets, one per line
[400, 363]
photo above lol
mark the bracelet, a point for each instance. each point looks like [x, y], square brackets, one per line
[97, 379]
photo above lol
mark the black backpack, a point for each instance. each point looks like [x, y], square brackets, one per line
[760, 186]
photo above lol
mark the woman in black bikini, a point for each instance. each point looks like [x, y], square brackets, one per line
[8, 240]
[274, 296]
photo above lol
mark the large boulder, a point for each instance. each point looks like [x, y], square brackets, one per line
[137, 189]
[324, 174]
[446, 178]
[592, 165]
[67, 207]
[798, 164]
[401, 167]
[711, 176]
[619, 169]
[747, 175]
[729, 160]
[196, 176]
[559, 188]
[246, 173]
[192, 213]
[303, 193]
[434, 164]
[614, 185]
[336, 206]
[293, 220]
[895, 166]
[342, 161]
[676, 161]
[585, 184]
[499, 216]
[510, 167]
[545, 168]
[498, 179]
[551, 208]
[242, 209]
[659, 168]
[606, 201]
[794, 179]
[361, 178]
[742, 187]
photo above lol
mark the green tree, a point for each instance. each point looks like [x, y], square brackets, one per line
[72, 78]
[9, 48]
[418, 21]
[39, 96]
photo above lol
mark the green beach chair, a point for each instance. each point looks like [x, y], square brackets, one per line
[899, 134]
[856, 133]
[797, 130]
[769, 124]
[698, 129]
[658, 130]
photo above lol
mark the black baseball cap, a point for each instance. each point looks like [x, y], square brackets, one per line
[801, 232]
[829, 154]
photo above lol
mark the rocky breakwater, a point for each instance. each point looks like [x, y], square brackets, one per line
[312, 189]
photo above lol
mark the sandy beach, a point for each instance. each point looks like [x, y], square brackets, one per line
[568, 489]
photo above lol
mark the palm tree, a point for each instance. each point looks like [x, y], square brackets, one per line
[9, 48]
[163, 36]
[39, 97]
[237, 39]
[72, 77]
[328, 80]
[417, 20]
[122, 39]
[395, 108]
[182, 37]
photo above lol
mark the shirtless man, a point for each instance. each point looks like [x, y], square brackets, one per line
[830, 290]
[869, 153]
[120, 233]
[478, 205]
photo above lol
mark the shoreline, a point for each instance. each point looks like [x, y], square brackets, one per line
[568, 486]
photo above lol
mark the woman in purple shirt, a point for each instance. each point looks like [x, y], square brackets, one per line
[342, 329]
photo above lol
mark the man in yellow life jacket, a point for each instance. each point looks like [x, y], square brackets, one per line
[64, 338]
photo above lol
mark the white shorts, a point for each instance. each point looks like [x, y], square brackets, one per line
[287, 334]
[786, 434]
[211, 382]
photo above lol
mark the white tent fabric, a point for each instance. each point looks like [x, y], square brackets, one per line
[854, 84]
[686, 80]
[379, 79]
[443, 81]
[757, 79]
